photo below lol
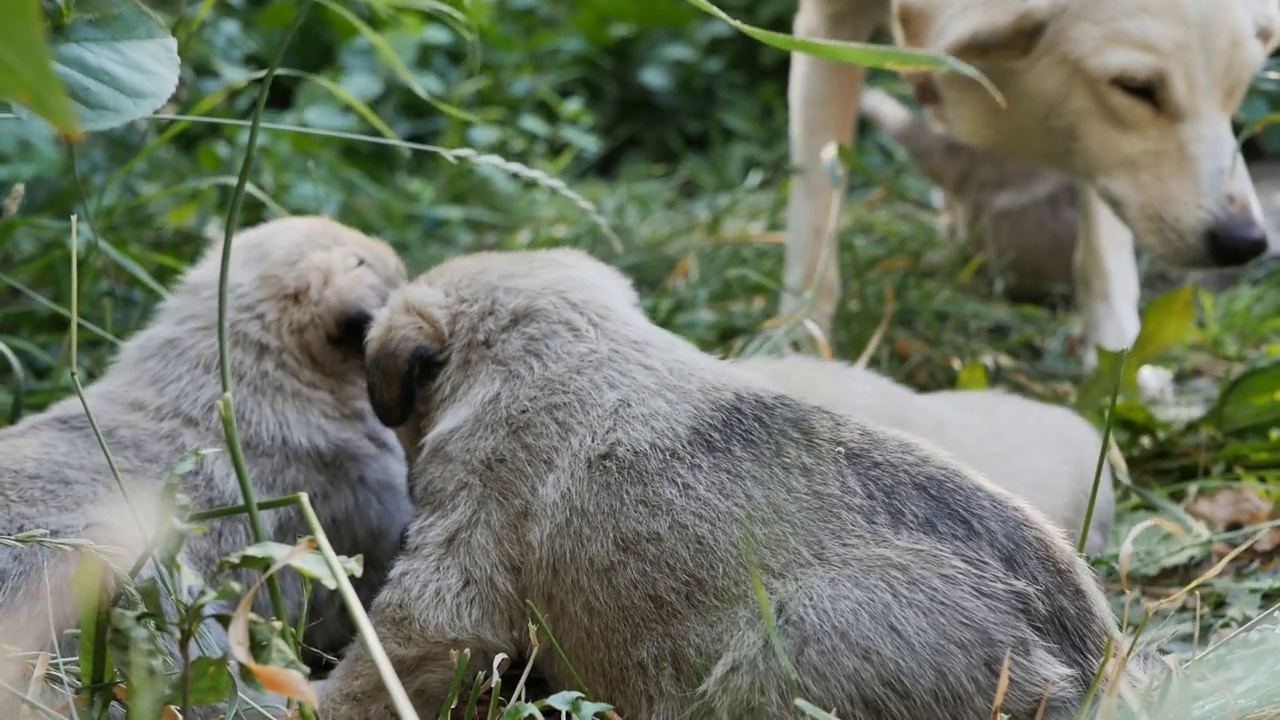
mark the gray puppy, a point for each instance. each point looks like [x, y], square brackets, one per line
[302, 290]
[568, 452]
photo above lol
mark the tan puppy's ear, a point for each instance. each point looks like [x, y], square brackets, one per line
[407, 347]
[975, 31]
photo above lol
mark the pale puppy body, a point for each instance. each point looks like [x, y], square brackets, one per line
[569, 452]
[301, 292]
[1045, 454]
[1131, 99]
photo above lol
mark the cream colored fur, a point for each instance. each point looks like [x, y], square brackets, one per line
[1133, 99]
[301, 293]
[1045, 454]
[568, 452]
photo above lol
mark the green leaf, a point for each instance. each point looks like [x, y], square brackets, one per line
[973, 376]
[1251, 400]
[88, 586]
[118, 65]
[260, 556]
[1166, 324]
[27, 75]
[574, 703]
[268, 646]
[521, 711]
[143, 663]
[883, 57]
[29, 150]
[211, 682]
[1099, 386]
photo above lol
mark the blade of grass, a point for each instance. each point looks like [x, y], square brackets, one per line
[364, 627]
[1102, 452]
[467, 155]
[19, 383]
[226, 405]
[884, 57]
[388, 54]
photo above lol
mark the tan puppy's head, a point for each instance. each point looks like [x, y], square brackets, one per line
[442, 317]
[1133, 96]
[315, 280]
[301, 292]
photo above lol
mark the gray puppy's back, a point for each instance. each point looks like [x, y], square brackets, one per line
[1045, 454]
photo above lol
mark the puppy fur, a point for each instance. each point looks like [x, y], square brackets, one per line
[568, 452]
[302, 290]
[1045, 454]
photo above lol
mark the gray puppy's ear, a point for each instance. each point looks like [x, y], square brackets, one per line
[405, 352]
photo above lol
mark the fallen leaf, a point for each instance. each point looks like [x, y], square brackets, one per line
[1237, 508]
[906, 347]
[284, 681]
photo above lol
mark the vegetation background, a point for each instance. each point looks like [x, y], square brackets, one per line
[653, 135]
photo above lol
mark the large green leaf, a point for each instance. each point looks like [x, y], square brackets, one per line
[119, 64]
[883, 57]
[1251, 400]
[1166, 324]
[27, 76]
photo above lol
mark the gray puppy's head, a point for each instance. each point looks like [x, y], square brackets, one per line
[464, 305]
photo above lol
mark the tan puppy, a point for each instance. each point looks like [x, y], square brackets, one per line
[571, 453]
[1045, 454]
[301, 293]
[1133, 99]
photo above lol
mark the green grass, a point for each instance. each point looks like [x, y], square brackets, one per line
[686, 198]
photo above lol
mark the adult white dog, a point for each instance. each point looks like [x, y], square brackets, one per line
[1133, 98]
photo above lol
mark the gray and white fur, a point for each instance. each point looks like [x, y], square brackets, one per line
[302, 290]
[1043, 453]
[568, 452]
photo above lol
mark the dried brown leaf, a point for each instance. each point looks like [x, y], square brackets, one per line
[284, 681]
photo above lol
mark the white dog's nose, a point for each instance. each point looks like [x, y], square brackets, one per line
[1235, 239]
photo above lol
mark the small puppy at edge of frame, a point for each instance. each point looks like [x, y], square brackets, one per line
[302, 290]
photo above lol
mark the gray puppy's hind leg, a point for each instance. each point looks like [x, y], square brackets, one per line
[947, 661]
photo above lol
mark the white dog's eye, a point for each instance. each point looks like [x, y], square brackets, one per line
[1141, 90]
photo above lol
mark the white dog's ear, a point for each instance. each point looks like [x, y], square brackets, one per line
[975, 31]
[406, 350]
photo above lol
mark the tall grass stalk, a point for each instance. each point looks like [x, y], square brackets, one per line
[1102, 451]
[226, 406]
[399, 698]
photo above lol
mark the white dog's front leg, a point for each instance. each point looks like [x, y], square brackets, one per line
[822, 102]
[1108, 289]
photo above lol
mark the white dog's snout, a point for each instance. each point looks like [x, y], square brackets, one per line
[1242, 196]
[1238, 232]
